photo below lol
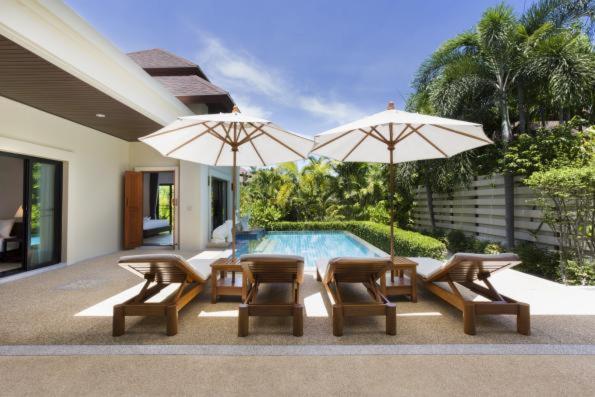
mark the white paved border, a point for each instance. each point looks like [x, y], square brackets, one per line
[294, 350]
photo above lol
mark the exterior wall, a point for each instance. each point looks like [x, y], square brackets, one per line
[479, 211]
[93, 167]
[198, 108]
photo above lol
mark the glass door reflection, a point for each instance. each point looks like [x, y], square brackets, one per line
[44, 204]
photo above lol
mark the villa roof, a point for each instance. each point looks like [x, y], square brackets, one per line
[183, 78]
[156, 58]
[189, 85]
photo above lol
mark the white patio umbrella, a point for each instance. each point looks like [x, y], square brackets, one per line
[229, 139]
[395, 136]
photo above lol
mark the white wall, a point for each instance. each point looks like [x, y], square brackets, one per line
[11, 186]
[93, 166]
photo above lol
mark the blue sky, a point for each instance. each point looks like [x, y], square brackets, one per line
[307, 65]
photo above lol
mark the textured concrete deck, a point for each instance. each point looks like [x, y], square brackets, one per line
[287, 376]
[56, 331]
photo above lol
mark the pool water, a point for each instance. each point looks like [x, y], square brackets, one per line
[312, 245]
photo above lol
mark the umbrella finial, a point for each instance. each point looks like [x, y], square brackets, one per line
[390, 106]
[235, 109]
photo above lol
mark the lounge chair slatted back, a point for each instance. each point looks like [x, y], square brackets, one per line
[357, 270]
[273, 268]
[468, 270]
[164, 268]
[366, 271]
[261, 269]
[472, 267]
[159, 270]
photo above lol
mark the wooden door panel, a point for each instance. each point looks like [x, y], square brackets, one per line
[133, 209]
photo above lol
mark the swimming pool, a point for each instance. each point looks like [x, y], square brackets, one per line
[312, 245]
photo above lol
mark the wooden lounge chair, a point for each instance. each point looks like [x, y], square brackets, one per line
[261, 269]
[357, 270]
[160, 270]
[465, 270]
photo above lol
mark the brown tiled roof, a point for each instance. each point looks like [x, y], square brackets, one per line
[160, 59]
[182, 78]
[189, 85]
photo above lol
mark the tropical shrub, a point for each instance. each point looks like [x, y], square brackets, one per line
[537, 261]
[566, 196]
[407, 243]
[561, 146]
[457, 241]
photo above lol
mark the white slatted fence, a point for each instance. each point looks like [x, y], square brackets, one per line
[479, 212]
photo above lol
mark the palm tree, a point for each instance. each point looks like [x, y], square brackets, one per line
[478, 68]
[474, 75]
[545, 39]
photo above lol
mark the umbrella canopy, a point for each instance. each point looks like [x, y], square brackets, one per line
[411, 136]
[211, 139]
[394, 136]
[229, 139]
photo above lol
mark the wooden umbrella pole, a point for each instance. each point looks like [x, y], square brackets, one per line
[391, 188]
[233, 204]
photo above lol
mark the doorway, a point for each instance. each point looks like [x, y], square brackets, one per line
[218, 202]
[30, 213]
[158, 208]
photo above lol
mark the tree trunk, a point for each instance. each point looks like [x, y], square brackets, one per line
[505, 119]
[522, 107]
[508, 177]
[509, 208]
[430, 199]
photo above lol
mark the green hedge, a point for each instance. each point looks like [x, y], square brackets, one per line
[407, 243]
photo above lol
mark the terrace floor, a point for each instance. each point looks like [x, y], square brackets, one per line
[64, 315]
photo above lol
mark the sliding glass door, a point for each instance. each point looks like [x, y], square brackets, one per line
[30, 213]
[44, 213]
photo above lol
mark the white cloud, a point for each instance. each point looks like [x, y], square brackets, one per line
[336, 111]
[250, 107]
[252, 83]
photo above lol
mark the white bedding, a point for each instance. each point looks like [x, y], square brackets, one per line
[149, 224]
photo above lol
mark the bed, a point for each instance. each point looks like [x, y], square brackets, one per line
[152, 227]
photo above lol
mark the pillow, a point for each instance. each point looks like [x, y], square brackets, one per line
[6, 227]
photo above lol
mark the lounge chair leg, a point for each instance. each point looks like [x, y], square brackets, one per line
[298, 320]
[171, 312]
[119, 321]
[523, 319]
[243, 320]
[214, 286]
[337, 320]
[391, 319]
[469, 319]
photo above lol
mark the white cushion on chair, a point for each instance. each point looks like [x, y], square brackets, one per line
[427, 266]
[201, 266]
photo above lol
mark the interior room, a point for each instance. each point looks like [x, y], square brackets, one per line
[11, 214]
[158, 208]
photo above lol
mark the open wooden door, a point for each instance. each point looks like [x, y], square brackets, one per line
[133, 209]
